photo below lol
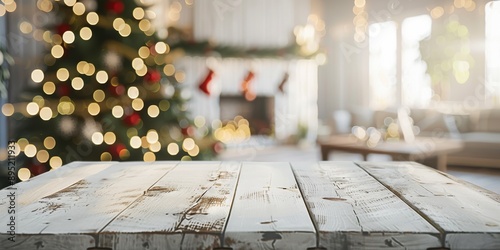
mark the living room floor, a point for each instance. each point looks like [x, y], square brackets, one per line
[487, 178]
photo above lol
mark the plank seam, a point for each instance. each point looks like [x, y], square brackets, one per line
[488, 193]
[307, 205]
[442, 232]
[138, 197]
[184, 213]
[223, 234]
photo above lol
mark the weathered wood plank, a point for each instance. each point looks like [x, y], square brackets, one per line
[466, 216]
[44, 185]
[186, 209]
[52, 181]
[52, 242]
[268, 210]
[352, 210]
[91, 203]
[486, 192]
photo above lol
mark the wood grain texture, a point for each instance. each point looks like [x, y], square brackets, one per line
[52, 242]
[353, 210]
[491, 194]
[44, 185]
[204, 205]
[268, 210]
[51, 182]
[186, 209]
[91, 203]
[464, 214]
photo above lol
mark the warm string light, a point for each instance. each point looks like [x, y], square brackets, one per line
[55, 162]
[7, 6]
[44, 5]
[79, 9]
[174, 12]
[173, 148]
[42, 155]
[8, 109]
[309, 35]
[92, 18]
[235, 131]
[37, 75]
[138, 13]
[438, 11]
[360, 20]
[468, 5]
[24, 174]
[68, 37]
[77, 83]
[122, 27]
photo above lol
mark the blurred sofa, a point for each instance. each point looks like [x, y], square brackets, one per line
[479, 130]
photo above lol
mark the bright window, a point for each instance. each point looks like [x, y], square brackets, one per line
[382, 65]
[416, 83]
[387, 88]
[492, 53]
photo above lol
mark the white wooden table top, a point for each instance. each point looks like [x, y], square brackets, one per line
[249, 205]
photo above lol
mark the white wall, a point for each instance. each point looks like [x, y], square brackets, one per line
[342, 79]
[249, 24]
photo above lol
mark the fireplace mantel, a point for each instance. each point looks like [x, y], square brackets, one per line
[295, 108]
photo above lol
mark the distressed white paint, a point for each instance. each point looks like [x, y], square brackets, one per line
[52, 242]
[89, 204]
[53, 181]
[44, 185]
[189, 206]
[268, 210]
[464, 214]
[350, 208]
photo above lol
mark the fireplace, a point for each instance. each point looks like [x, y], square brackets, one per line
[281, 111]
[259, 112]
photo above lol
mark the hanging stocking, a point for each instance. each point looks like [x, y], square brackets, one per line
[245, 86]
[282, 85]
[205, 85]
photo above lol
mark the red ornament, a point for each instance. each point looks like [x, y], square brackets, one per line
[115, 150]
[205, 85]
[63, 27]
[37, 169]
[117, 90]
[153, 76]
[115, 6]
[189, 131]
[63, 90]
[132, 119]
[281, 87]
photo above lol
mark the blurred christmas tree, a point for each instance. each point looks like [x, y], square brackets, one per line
[109, 91]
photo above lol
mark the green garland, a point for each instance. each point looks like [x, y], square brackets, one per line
[179, 39]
